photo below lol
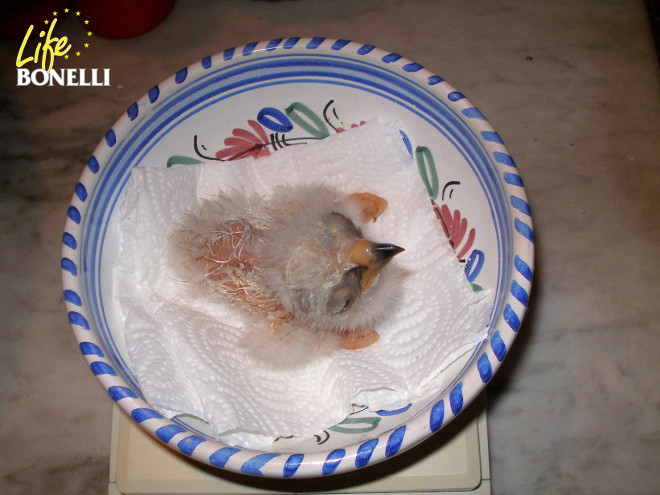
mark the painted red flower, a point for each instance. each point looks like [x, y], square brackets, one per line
[353, 126]
[244, 143]
[454, 228]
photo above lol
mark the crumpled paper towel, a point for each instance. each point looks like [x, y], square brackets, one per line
[192, 354]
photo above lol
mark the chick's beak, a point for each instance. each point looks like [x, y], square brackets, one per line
[373, 257]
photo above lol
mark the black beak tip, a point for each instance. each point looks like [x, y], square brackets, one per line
[386, 251]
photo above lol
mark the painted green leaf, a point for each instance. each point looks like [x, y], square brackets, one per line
[427, 171]
[356, 425]
[304, 117]
[182, 160]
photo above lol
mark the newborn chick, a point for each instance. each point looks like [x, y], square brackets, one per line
[299, 257]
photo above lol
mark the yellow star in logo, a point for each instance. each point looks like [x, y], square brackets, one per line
[66, 57]
[86, 21]
[66, 11]
[77, 54]
[89, 33]
[86, 45]
[54, 14]
[46, 21]
[78, 13]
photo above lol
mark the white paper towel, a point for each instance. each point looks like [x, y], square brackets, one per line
[193, 354]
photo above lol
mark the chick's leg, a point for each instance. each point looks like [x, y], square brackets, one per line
[371, 205]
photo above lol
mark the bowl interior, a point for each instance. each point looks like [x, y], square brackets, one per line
[291, 92]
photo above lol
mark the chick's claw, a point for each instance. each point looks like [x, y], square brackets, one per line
[280, 321]
[371, 205]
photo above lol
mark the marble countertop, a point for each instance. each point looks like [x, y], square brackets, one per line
[572, 88]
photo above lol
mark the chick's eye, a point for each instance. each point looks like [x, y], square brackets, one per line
[340, 301]
[345, 293]
[347, 304]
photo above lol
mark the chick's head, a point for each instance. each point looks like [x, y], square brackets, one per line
[321, 268]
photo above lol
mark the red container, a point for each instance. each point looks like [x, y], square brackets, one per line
[123, 18]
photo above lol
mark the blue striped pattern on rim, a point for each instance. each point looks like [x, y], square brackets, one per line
[340, 62]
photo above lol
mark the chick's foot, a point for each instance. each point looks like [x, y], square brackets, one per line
[371, 205]
[353, 340]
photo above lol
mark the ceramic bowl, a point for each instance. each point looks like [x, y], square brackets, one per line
[266, 96]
